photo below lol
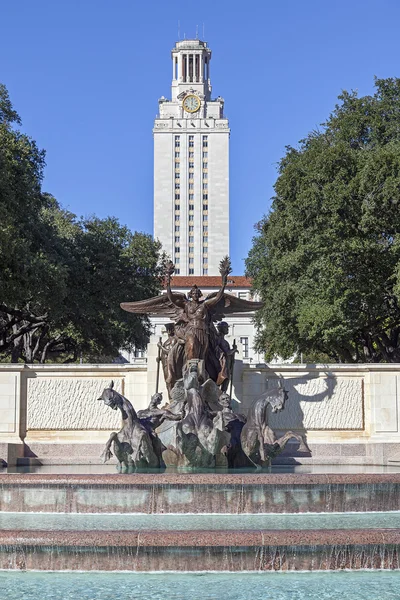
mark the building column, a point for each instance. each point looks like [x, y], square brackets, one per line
[187, 67]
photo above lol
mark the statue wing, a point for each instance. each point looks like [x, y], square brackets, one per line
[160, 305]
[229, 305]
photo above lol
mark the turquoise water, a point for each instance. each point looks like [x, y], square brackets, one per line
[81, 521]
[373, 585]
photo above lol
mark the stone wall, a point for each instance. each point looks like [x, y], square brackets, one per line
[344, 410]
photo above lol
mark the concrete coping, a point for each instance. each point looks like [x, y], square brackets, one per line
[185, 479]
[221, 538]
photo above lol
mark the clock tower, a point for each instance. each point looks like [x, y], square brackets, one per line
[191, 166]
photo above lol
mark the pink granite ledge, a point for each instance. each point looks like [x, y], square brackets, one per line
[197, 479]
[240, 538]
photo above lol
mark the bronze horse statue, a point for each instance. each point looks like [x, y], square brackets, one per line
[258, 440]
[132, 445]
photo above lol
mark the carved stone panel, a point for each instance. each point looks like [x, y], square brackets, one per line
[321, 403]
[68, 403]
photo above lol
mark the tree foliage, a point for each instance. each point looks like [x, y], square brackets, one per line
[62, 278]
[326, 260]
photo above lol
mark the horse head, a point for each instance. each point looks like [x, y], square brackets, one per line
[114, 400]
[277, 397]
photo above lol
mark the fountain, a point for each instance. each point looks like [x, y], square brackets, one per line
[195, 491]
[198, 364]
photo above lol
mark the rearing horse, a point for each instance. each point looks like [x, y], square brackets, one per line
[258, 440]
[132, 445]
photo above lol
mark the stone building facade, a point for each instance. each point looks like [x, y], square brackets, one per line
[191, 166]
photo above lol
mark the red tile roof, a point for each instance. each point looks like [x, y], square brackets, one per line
[204, 281]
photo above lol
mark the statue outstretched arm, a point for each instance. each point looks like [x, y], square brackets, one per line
[169, 269]
[224, 268]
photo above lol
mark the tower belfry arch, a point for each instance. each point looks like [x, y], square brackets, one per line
[191, 165]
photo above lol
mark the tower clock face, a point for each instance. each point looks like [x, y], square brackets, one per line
[191, 103]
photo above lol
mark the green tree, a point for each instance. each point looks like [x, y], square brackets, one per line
[62, 278]
[31, 274]
[326, 260]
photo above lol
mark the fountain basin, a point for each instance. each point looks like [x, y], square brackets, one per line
[261, 550]
[200, 493]
[159, 586]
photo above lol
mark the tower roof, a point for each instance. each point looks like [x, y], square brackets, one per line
[190, 44]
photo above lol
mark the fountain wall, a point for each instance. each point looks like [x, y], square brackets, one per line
[349, 413]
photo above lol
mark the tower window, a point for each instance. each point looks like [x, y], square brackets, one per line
[177, 250]
[205, 141]
[205, 227]
[177, 186]
[191, 261]
[205, 186]
[205, 175]
[191, 154]
[191, 141]
[177, 271]
[205, 217]
[205, 206]
[205, 165]
[205, 196]
[177, 154]
[191, 206]
[191, 186]
[177, 228]
[177, 260]
[177, 217]
[177, 196]
[191, 271]
[177, 141]
[205, 154]
[205, 239]
[177, 239]
[205, 260]
[191, 217]
[191, 165]
[205, 271]
[177, 207]
[178, 175]
[191, 227]
[191, 239]
[191, 196]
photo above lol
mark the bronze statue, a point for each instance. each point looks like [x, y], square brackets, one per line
[198, 365]
[151, 418]
[258, 440]
[172, 357]
[225, 355]
[233, 424]
[198, 438]
[132, 445]
[194, 318]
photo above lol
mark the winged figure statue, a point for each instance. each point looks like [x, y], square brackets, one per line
[194, 315]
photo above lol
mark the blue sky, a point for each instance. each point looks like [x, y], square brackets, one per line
[85, 76]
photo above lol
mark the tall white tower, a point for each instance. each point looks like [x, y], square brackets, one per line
[191, 166]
